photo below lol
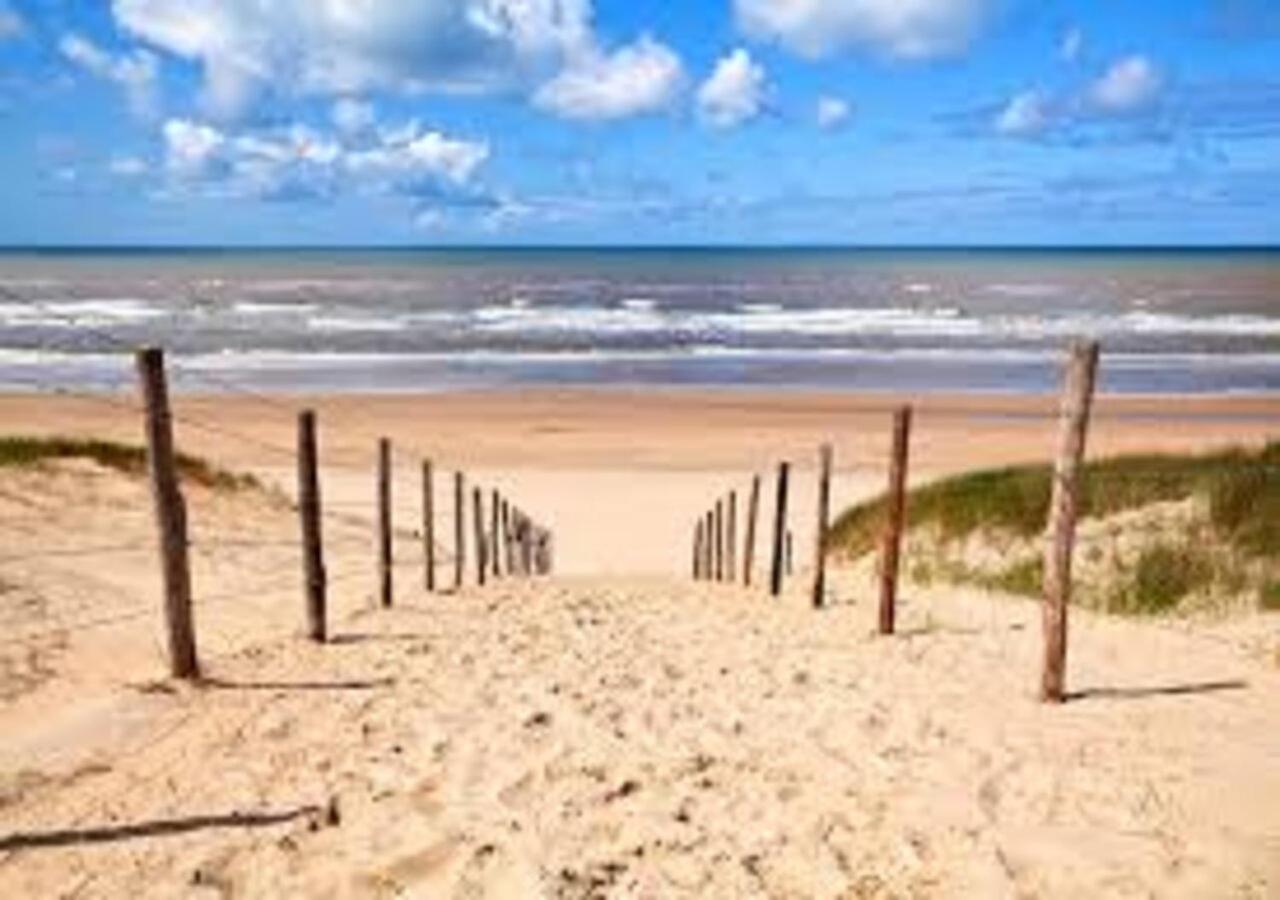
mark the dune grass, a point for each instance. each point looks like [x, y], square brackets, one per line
[22, 451]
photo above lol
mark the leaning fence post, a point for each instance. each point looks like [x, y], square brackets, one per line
[891, 550]
[779, 529]
[1077, 398]
[170, 513]
[459, 529]
[384, 521]
[482, 560]
[309, 517]
[820, 535]
[428, 525]
[749, 550]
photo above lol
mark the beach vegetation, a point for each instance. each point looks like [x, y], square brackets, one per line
[24, 451]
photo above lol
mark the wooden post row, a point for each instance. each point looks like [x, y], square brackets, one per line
[495, 518]
[384, 522]
[170, 514]
[749, 550]
[820, 533]
[779, 529]
[719, 524]
[313, 573]
[731, 539]
[891, 549]
[1077, 400]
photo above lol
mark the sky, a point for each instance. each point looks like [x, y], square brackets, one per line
[851, 122]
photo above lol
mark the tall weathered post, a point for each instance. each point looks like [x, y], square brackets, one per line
[731, 539]
[459, 529]
[428, 526]
[482, 561]
[779, 529]
[385, 561]
[1077, 400]
[749, 550]
[820, 533]
[313, 574]
[891, 550]
[170, 514]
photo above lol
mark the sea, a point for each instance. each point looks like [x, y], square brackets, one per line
[406, 320]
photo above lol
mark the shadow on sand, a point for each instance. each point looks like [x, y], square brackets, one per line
[159, 828]
[1171, 690]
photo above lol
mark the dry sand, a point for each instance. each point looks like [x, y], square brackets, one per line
[615, 730]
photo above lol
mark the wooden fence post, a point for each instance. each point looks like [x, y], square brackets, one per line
[697, 551]
[891, 549]
[384, 521]
[719, 524]
[708, 546]
[313, 574]
[428, 525]
[749, 550]
[1077, 399]
[508, 554]
[170, 513]
[459, 529]
[731, 540]
[820, 534]
[482, 561]
[779, 529]
[495, 519]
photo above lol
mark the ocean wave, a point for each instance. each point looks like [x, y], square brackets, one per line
[261, 308]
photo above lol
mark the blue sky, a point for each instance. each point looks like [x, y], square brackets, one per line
[572, 121]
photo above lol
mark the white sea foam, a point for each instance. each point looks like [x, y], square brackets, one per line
[260, 308]
[354, 323]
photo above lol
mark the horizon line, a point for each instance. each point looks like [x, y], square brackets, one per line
[655, 246]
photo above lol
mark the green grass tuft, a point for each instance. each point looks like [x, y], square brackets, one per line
[31, 451]
[1164, 574]
[1269, 596]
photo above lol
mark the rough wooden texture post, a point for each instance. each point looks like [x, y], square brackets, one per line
[313, 575]
[697, 550]
[891, 549]
[749, 547]
[482, 561]
[459, 528]
[779, 530]
[495, 520]
[731, 539]
[385, 561]
[428, 526]
[526, 545]
[507, 561]
[708, 546]
[820, 533]
[1077, 400]
[170, 513]
[719, 522]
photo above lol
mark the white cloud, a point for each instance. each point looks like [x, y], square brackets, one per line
[1131, 84]
[298, 161]
[639, 78]
[136, 73]
[832, 112]
[734, 93]
[12, 25]
[127, 166]
[1026, 115]
[353, 116]
[1072, 45]
[904, 29]
[342, 47]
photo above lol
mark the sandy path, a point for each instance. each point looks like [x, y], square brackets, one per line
[651, 738]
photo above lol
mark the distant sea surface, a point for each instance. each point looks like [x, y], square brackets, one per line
[1170, 321]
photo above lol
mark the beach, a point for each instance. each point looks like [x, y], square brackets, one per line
[617, 729]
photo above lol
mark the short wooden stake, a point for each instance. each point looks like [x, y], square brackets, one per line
[820, 533]
[459, 528]
[482, 561]
[708, 546]
[779, 530]
[428, 526]
[170, 514]
[507, 549]
[719, 520]
[891, 549]
[1077, 400]
[697, 551]
[313, 574]
[385, 561]
[749, 548]
[731, 539]
[495, 519]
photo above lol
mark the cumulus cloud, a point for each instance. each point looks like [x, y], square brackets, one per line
[353, 116]
[832, 112]
[734, 93]
[1026, 115]
[639, 78]
[300, 162]
[1130, 84]
[903, 29]
[247, 47]
[135, 73]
